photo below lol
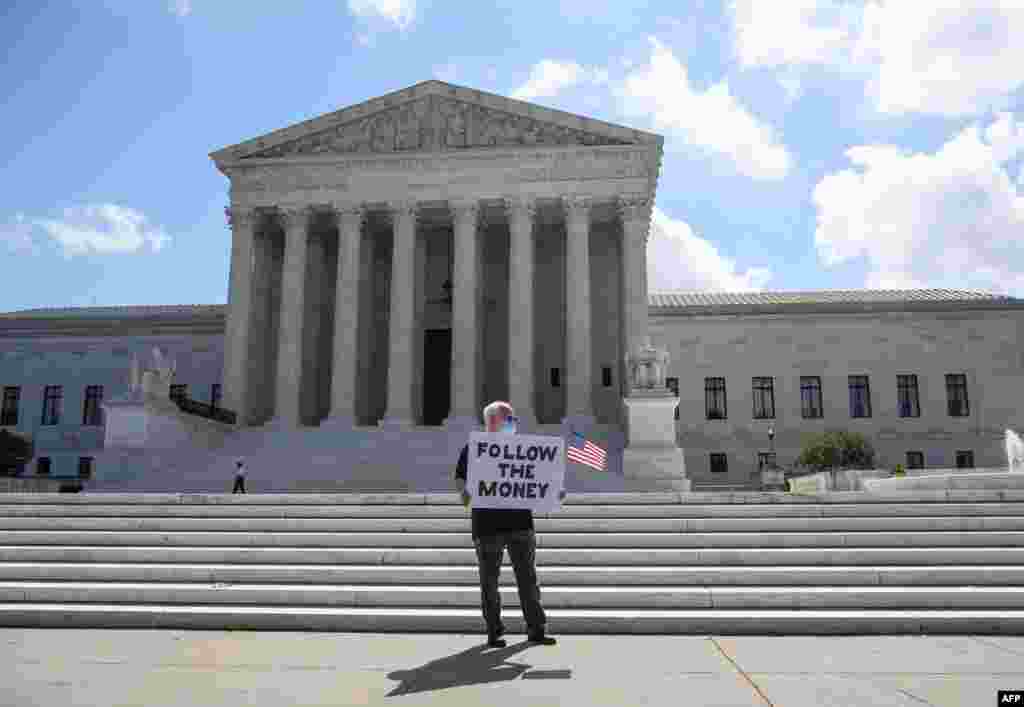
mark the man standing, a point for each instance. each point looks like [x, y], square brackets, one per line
[495, 529]
[239, 476]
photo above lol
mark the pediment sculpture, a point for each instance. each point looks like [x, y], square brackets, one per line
[647, 366]
[434, 123]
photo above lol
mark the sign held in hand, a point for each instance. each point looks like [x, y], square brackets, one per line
[512, 471]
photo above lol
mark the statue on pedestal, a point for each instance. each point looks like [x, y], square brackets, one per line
[647, 367]
[157, 380]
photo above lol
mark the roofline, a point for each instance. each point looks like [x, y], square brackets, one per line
[276, 137]
[212, 320]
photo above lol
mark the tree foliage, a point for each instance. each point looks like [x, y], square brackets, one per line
[837, 450]
[15, 451]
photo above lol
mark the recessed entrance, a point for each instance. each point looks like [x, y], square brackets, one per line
[437, 375]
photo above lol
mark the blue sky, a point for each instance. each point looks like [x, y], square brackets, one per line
[811, 144]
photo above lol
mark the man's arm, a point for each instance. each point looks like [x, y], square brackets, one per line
[461, 469]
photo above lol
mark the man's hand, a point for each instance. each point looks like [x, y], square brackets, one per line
[466, 498]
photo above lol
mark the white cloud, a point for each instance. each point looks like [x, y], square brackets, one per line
[103, 229]
[679, 259]
[713, 119]
[548, 78]
[952, 218]
[400, 13]
[181, 8]
[941, 58]
[17, 236]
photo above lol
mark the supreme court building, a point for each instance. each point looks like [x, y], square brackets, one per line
[404, 260]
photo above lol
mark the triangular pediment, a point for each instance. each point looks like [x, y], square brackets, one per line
[434, 116]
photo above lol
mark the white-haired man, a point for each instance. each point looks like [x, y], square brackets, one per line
[493, 531]
[239, 476]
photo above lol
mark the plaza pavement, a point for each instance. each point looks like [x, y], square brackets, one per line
[70, 667]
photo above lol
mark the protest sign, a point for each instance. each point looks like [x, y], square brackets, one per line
[515, 471]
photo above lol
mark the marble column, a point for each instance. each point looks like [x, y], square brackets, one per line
[346, 317]
[635, 213]
[578, 407]
[239, 325]
[465, 340]
[291, 326]
[401, 333]
[521, 216]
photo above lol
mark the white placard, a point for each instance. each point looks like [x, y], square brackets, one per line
[515, 471]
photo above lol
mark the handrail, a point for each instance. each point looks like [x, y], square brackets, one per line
[205, 410]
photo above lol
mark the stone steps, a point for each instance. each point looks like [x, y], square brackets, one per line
[948, 562]
[559, 597]
[560, 621]
[550, 545]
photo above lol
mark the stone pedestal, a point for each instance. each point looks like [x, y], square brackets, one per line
[651, 455]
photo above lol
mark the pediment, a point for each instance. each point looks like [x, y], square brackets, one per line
[434, 117]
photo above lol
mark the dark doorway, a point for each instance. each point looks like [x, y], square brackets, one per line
[437, 375]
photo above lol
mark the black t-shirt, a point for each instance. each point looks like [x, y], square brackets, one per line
[492, 521]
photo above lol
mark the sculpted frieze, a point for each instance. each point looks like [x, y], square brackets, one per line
[435, 123]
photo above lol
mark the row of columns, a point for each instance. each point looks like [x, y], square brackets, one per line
[465, 320]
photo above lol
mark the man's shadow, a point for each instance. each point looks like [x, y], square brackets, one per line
[473, 666]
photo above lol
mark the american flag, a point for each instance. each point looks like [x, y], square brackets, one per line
[589, 454]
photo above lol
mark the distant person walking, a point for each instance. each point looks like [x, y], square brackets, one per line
[493, 531]
[239, 476]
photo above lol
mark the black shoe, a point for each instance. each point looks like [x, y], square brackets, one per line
[540, 638]
[495, 642]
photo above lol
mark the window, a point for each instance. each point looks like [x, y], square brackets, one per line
[43, 466]
[556, 378]
[915, 460]
[766, 460]
[764, 398]
[91, 411]
[52, 396]
[179, 391]
[215, 395]
[714, 398]
[9, 412]
[956, 392]
[673, 385]
[965, 459]
[85, 467]
[860, 397]
[810, 397]
[606, 376]
[719, 464]
[906, 388]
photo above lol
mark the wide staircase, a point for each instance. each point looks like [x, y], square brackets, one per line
[949, 562]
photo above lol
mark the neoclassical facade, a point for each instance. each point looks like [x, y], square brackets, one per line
[403, 260]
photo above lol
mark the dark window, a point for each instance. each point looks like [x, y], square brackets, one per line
[965, 459]
[606, 376]
[179, 391]
[215, 395]
[43, 466]
[9, 412]
[810, 397]
[91, 411]
[677, 412]
[956, 392]
[556, 378]
[764, 398]
[673, 385]
[714, 398]
[906, 388]
[766, 460]
[860, 397]
[52, 397]
[915, 460]
[719, 464]
[85, 467]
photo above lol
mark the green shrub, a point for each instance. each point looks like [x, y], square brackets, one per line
[837, 450]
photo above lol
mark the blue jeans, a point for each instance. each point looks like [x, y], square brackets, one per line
[522, 549]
